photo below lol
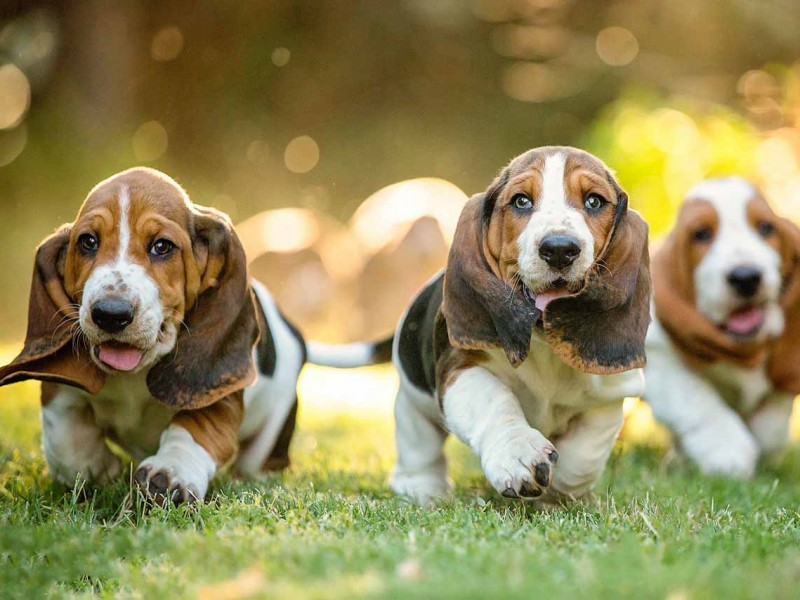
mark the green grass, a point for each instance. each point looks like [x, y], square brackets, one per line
[330, 529]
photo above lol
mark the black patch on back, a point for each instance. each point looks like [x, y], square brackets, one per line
[416, 346]
[297, 335]
[265, 351]
[382, 351]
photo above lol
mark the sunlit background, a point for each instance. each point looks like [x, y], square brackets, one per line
[344, 137]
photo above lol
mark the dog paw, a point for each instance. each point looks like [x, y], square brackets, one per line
[423, 488]
[520, 463]
[102, 468]
[162, 483]
[727, 462]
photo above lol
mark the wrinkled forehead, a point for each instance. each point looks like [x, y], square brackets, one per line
[138, 192]
[573, 165]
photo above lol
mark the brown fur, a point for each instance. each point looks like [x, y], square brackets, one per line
[484, 306]
[454, 361]
[216, 427]
[700, 341]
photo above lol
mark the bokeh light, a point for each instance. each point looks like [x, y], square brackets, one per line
[12, 143]
[280, 57]
[150, 141]
[301, 154]
[616, 46]
[167, 44]
[15, 96]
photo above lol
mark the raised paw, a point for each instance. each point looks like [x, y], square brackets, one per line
[161, 484]
[520, 464]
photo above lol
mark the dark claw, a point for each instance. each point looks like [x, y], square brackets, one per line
[528, 491]
[554, 456]
[510, 493]
[158, 484]
[542, 474]
[140, 477]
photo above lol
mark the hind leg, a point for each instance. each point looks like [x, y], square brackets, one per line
[421, 470]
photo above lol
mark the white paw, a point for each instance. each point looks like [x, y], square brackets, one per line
[422, 488]
[736, 463]
[163, 480]
[179, 472]
[101, 468]
[520, 463]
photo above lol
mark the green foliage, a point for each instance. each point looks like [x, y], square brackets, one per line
[660, 146]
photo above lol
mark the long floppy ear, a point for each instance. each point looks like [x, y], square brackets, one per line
[602, 328]
[784, 365]
[49, 354]
[213, 355]
[480, 310]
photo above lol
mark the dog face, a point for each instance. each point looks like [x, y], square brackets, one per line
[130, 268]
[734, 253]
[551, 242]
[554, 211]
[143, 280]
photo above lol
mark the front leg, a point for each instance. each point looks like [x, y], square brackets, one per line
[584, 449]
[483, 413]
[193, 448]
[73, 443]
[770, 423]
[709, 431]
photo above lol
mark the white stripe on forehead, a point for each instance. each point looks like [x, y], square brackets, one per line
[124, 225]
[728, 195]
[553, 195]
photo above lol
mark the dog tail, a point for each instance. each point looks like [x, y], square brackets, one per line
[350, 356]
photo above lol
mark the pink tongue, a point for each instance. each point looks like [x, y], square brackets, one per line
[121, 358]
[745, 321]
[542, 300]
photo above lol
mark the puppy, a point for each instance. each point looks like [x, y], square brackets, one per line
[526, 345]
[724, 348]
[145, 330]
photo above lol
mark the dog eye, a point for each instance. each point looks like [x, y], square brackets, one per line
[522, 202]
[703, 234]
[594, 202]
[88, 243]
[765, 228]
[161, 247]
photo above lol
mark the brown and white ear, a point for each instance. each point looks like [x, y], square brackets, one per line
[49, 354]
[481, 311]
[213, 355]
[602, 328]
[784, 365]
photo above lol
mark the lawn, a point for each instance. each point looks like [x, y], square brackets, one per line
[329, 528]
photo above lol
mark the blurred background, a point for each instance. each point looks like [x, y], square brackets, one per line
[343, 137]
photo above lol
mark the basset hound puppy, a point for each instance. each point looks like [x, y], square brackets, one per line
[527, 344]
[724, 348]
[145, 330]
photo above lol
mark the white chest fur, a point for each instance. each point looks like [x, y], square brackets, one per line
[126, 412]
[551, 393]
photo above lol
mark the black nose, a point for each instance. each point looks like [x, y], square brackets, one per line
[745, 280]
[559, 251]
[112, 315]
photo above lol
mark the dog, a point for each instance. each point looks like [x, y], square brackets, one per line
[724, 347]
[145, 330]
[528, 342]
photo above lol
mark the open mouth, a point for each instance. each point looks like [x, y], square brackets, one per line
[122, 357]
[745, 321]
[556, 289]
